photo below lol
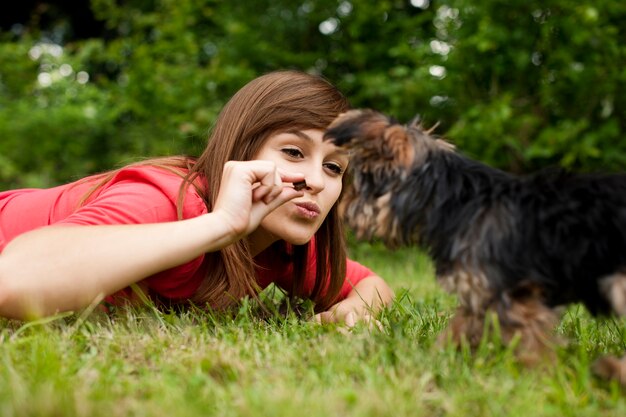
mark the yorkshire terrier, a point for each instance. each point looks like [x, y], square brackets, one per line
[512, 248]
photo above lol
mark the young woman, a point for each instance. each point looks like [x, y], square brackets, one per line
[209, 230]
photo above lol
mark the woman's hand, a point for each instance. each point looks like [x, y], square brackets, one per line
[249, 191]
[348, 314]
[366, 300]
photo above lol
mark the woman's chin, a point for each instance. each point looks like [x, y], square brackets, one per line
[298, 240]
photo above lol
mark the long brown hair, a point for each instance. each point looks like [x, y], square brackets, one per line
[276, 102]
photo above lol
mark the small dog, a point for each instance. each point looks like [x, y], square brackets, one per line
[510, 247]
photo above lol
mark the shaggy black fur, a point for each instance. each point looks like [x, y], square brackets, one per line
[554, 236]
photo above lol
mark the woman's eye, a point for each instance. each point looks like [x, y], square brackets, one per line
[293, 152]
[335, 168]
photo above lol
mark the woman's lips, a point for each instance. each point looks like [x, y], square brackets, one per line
[308, 210]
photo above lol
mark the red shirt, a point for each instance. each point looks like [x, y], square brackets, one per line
[141, 194]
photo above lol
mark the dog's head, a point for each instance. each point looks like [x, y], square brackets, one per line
[383, 154]
[381, 147]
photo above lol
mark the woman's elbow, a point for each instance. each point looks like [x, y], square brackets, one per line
[384, 290]
[379, 291]
[14, 302]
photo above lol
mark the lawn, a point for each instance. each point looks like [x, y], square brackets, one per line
[143, 363]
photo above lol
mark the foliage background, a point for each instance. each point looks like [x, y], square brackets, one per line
[518, 84]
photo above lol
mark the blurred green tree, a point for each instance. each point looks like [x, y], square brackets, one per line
[537, 83]
[517, 84]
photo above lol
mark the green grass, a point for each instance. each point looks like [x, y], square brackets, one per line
[142, 363]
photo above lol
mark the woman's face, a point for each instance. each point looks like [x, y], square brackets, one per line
[322, 164]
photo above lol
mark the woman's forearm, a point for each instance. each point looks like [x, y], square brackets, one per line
[61, 268]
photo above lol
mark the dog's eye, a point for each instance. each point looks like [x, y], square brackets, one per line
[293, 152]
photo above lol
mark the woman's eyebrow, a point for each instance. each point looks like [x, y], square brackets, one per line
[302, 135]
[306, 137]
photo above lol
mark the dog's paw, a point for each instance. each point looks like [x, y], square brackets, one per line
[611, 368]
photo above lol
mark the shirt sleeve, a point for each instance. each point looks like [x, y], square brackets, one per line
[127, 199]
[132, 197]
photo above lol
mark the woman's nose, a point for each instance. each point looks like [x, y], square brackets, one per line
[315, 181]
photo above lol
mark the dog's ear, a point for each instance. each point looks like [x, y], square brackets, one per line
[415, 122]
[397, 145]
[373, 137]
[355, 127]
[445, 145]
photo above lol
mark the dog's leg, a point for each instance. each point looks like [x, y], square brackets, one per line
[614, 290]
[465, 327]
[521, 315]
[611, 368]
[472, 290]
